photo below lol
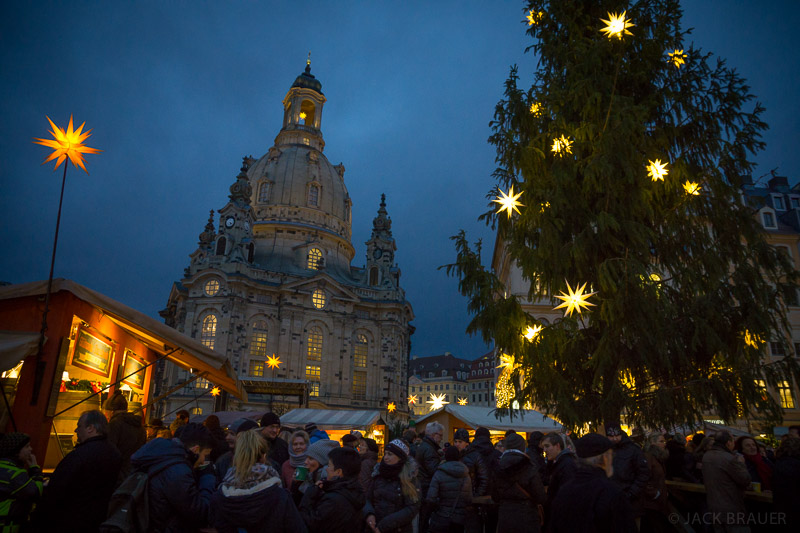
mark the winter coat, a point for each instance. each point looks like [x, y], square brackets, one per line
[450, 491]
[726, 479]
[77, 496]
[394, 513]
[478, 472]
[591, 503]
[490, 456]
[368, 462]
[755, 477]
[428, 458]
[631, 472]
[786, 490]
[262, 506]
[180, 498]
[220, 446]
[335, 508]
[656, 496]
[518, 511]
[222, 464]
[127, 434]
[559, 472]
[278, 451]
[20, 488]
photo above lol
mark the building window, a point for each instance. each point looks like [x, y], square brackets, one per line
[201, 383]
[256, 368]
[314, 259]
[795, 202]
[221, 244]
[780, 205]
[197, 410]
[785, 392]
[313, 375]
[359, 385]
[768, 220]
[313, 196]
[360, 352]
[313, 389]
[373, 276]
[318, 298]
[314, 348]
[263, 193]
[258, 339]
[776, 349]
[208, 332]
[429, 388]
[211, 287]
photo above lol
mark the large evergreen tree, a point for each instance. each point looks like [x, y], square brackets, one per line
[687, 290]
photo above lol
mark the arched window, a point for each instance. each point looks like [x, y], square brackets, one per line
[360, 349]
[373, 276]
[221, 246]
[308, 112]
[258, 339]
[263, 193]
[208, 331]
[314, 344]
[251, 252]
[314, 259]
[313, 196]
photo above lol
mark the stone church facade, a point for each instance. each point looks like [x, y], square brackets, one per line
[273, 277]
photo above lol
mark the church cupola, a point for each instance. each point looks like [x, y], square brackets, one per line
[380, 251]
[302, 111]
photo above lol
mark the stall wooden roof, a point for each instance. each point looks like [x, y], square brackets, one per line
[162, 339]
[331, 419]
[524, 419]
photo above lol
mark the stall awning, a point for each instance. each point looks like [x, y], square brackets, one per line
[526, 420]
[162, 339]
[16, 346]
[331, 419]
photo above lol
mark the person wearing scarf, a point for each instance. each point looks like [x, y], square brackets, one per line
[392, 497]
[759, 468]
[298, 447]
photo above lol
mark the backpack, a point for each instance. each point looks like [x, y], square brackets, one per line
[129, 508]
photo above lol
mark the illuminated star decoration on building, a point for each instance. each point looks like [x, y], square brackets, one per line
[534, 17]
[412, 400]
[532, 332]
[616, 26]
[215, 391]
[66, 144]
[657, 170]
[437, 401]
[574, 300]
[391, 407]
[508, 202]
[561, 146]
[691, 187]
[462, 401]
[677, 58]
[303, 115]
[273, 362]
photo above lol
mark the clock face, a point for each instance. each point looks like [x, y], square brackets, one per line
[246, 226]
[229, 222]
[377, 253]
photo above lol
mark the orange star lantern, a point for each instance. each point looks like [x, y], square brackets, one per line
[391, 407]
[412, 400]
[215, 391]
[462, 401]
[273, 362]
[574, 300]
[66, 144]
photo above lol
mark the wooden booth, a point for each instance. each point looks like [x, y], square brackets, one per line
[93, 346]
[468, 417]
[339, 422]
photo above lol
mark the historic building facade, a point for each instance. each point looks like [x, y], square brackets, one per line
[443, 375]
[271, 283]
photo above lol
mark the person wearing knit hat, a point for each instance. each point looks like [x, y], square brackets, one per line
[125, 430]
[21, 481]
[316, 461]
[393, 476]
[349, 441]
[517, 489]
[270, 429]
[592, 501]
[478, 473]
[631, 472]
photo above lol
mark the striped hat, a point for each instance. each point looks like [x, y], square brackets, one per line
[399, 448]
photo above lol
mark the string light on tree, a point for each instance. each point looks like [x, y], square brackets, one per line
[437, 401]
[508, 202]
[574, 300]
[692, 188]
[561, 146]
[616, 25]
[677, 58]
[754, 341]
[657, 170]
[462, 401]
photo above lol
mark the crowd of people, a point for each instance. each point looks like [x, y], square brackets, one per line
[257, 477]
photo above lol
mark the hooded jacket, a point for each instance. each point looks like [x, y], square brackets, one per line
[450, 491]
[127, 434]
[394, 512]
[20, 488]
[491, 458]
[334, 508]
[518, 511]
[179, 498]
[258, 506]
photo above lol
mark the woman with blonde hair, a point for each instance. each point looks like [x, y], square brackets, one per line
[251, 496]
[393, 498]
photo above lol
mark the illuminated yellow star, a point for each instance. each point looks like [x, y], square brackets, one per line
[536, 108]
[391, 407]
[561, 146]
[532, 332]
[66, 144]
[215, 391]
[752, 340]
[506, 361]
[508, 202]
[437, 401]
[462, 401]
[616, 25]
[303, 115]
[413, 399]
[677, 57]
[574, 300]
[657, 170]
[692, 187]
[534, 17]
[273, 362]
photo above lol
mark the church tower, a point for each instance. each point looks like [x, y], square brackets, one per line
[274, 281]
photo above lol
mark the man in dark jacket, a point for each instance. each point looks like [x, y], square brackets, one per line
[534, 451]
[482, 443]
[478, 475]
[125, 430]
[181, 480]
[278, 448]
[631, 471]
[560, 467]
[726, 478]
[428, 458]
[77, 496]
[334, 505]
[591, 502]
[518, 489]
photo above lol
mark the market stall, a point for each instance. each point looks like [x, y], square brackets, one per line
[339, 422]
[468, 417]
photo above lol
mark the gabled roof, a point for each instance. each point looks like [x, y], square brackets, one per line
[331, 418]
[314, 282]
[524, 419]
